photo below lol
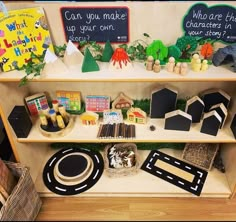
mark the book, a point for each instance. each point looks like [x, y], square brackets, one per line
[22, 32]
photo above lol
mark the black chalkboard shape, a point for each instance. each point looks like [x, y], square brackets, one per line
[214, 22]
[222, 111]
[233, 126]
[212, 97]
[211, 123]
[163, 100]
[178, 120]
[195, 107]
[98, 24]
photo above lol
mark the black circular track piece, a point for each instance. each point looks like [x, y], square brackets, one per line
[58, 187]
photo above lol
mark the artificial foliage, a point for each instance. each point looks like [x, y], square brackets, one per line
[174, 51]
[157, 50]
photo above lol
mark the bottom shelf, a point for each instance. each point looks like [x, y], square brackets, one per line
[143, 184]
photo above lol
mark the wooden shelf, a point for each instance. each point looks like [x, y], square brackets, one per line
[88, 134]
[143, 184]
[136, 74]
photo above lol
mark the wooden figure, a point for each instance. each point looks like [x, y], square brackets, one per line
[71, 100]
[196, 66]
[97, 103]
[170, 65]
[163, 100]
[211, 123]
[120, 60]
[122, 101]
[215, 96]
[136, 115]
[204, 65]
[112, 116]
[177, 68]
[178, 120]
[35, 103]
[72, 55]
[194, 59]
[89, 118]
[149, 63]
[233, 126]
[195, 107]
[222, 111]
[157, 66]
[89, 63]
[183, 68]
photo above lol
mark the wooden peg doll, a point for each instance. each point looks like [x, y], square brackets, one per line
[157, 66]
[171, 64]
[183, 69]
[149, 63]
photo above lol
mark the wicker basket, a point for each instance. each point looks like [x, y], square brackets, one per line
[24, 203]
[124, 171]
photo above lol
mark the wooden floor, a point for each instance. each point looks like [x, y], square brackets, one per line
[124, 209]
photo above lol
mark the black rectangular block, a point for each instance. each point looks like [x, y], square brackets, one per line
[20, 121]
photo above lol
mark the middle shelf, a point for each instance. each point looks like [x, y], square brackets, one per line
[88, 134]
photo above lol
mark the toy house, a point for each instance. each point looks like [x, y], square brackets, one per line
[178, 120]
[136, 115]
[211, 123]
[112, 116]
[163, 101]
[122, 101]
[213, 96]
[89, 118]
[195, 108]
[36, 103]
[70, 99]
[222, 111]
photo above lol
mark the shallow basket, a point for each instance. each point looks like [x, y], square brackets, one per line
[120, 172]
[24, 203]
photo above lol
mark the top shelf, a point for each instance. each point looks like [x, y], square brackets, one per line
[136, 74]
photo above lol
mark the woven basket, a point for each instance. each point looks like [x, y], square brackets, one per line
[120, 172]
[24, 203]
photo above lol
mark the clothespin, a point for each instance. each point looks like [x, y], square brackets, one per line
[3, 8]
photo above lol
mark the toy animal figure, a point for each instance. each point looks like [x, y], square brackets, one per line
[170, 65]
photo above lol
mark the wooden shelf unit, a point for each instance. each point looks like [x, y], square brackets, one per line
[137, 83]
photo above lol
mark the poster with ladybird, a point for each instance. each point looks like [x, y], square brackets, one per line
[22, 31]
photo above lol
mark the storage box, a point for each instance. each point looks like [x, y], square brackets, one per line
[24, 202]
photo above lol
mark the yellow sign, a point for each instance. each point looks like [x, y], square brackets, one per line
[21, 32]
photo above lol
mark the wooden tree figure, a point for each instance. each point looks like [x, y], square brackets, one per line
[186, 44]
[120, 60]
[211, 123]
[213, 96]
[178, 120]
[163, 101]
[207, 50]
[89, 63]
[195, 107]
[107, 52]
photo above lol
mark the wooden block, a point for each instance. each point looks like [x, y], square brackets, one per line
[222, 111]
[211, 123]
[195, 107]
[233, 126]
[163, 100]
[7, 180]
[178, 120]
[122, 102]
[215, 96]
